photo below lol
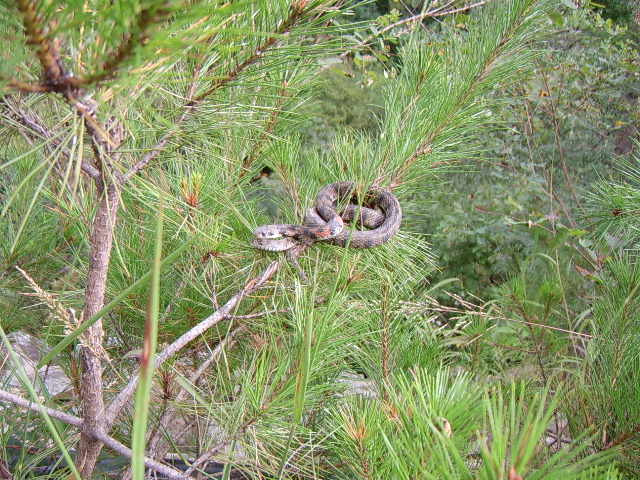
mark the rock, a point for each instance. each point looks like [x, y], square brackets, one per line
[30, 350]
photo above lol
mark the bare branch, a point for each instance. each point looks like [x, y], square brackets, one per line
[110, 442]
[118, 403]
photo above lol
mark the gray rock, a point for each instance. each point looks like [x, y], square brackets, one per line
[30, 351]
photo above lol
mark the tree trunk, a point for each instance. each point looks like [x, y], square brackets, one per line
[91, 400]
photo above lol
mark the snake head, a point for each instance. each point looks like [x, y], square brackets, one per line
[267, 232]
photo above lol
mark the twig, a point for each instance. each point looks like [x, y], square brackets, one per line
[110, 442]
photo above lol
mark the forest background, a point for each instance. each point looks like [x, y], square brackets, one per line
[531, 278]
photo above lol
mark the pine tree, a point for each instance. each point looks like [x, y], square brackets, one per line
[138, 138]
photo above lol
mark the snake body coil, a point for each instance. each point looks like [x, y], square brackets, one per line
[380, 214]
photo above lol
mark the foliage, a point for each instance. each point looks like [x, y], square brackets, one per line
[437, 426]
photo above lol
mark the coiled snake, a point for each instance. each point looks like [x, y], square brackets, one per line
[380, 214]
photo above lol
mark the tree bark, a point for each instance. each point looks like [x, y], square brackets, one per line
[92, 402]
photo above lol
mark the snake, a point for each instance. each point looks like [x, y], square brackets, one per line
[380, 214]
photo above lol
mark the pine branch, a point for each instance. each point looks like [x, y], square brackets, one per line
[146, 19]
[108, 441]
[193, 101]
[464, 99]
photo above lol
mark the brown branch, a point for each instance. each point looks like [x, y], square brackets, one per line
[193, 379]
[46, 50]
[156, 149]
[118, 403]
[27, 87]
[91, 387]
[557, 136]
[471, 310]
[110, 442]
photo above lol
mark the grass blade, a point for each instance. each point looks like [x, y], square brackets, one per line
[147, 362]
